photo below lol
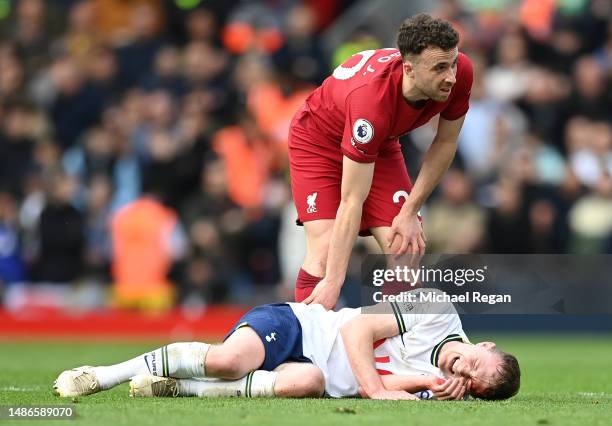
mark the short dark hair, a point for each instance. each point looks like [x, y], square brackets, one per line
[508, 379]
[422, 31]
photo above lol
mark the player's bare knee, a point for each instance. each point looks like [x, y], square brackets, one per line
[234, 365]
[312, 384]
[226, 365]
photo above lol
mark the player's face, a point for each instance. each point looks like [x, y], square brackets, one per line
[476, 363]
[435, 71]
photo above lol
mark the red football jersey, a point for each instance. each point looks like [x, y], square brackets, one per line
[360, 110]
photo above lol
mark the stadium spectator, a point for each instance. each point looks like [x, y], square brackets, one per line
[147, 238]
[455, 223]
[16, 147]
[97, 239]
[302, 54]
[166, 74]
[136, 49]
[76, 105]
[250, 157]
[12, 77]
[82, 34]
[61, 229]
[30, 33]
[491, 131]
[12, 265]
[507, 221]
[216, 226]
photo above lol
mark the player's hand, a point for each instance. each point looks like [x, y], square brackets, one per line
[452, 389]
[409, 231]
[325, 293]
[394, 395]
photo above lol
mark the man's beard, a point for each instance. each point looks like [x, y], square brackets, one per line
[433, 93]
[438, 95]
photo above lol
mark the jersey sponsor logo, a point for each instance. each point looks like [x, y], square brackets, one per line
[363, 131]
[311, 200]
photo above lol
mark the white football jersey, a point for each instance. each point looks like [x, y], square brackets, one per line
[424, 328]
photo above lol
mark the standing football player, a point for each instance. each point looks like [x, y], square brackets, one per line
[348, 175]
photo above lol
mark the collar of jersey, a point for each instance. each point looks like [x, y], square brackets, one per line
[435, 352]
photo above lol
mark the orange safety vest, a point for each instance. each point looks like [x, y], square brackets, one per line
[141, 233]
[247, 165]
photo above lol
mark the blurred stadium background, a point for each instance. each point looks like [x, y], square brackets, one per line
[143, 164]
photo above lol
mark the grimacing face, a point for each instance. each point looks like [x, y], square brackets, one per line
[478, 364]
[434, 72]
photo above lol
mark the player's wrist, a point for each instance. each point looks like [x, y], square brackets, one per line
[431, 381]
[410, 208]
[336, 283]
[373, 391]
[334, 279]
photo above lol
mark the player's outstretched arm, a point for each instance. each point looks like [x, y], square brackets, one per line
[412, 384]
[356, 182]
[358, 335]
[442, 389]
[437, 160]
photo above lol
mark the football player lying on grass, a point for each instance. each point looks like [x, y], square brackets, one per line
[298, 350]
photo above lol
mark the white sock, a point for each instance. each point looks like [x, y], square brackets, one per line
[179, 360]
[256, 384]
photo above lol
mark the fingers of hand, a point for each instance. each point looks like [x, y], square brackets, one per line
[455, 390]
[391, 236]
[397, 240]
[404, 246]
[445, 391]
[414, 246]
[438, 389]
[312, 296]
[459, 391]
[421, 243]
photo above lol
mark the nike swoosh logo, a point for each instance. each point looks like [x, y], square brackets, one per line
[146, 358]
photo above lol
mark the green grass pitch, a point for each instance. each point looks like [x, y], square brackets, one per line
[567, 380]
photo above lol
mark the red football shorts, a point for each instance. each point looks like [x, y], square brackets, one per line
[316, 176]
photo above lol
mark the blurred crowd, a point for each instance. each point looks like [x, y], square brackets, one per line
[143, 157]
